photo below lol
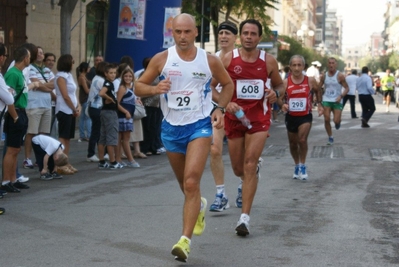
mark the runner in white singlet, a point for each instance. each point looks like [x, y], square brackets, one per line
[186, 101]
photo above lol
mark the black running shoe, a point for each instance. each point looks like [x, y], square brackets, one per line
[2, 210]
[20, 185]
[10, 188]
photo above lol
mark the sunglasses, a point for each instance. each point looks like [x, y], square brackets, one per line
[6, 55]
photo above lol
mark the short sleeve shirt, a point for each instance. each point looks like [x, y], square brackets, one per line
[111, 93]
[15, 79]
[47, 143]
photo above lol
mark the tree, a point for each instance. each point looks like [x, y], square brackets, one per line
[67, 8]
[243, 9]
[393, 62]
[296, 48]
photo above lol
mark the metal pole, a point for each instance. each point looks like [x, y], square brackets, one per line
[202, 25]
[324, 21]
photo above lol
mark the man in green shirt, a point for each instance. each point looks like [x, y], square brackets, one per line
[16, 121]
[388, 84]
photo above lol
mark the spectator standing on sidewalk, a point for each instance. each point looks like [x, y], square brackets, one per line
[109, 121]
[16, 121]
[49, 62]
[6, 98]
[84, 89]
[351, 95]
[39, 106]
[366, 92]
[93, 70]
[31, 85]
[95, 104]
[67, 108]
[152, 122]
[126, 105]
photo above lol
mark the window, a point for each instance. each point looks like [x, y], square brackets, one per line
[96, 29]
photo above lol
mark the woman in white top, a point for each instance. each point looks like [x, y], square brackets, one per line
[67, 107]
[94, 102]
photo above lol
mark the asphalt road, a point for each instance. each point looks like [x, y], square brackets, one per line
[345, 215]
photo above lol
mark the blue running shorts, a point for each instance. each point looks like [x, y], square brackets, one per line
[176, 138]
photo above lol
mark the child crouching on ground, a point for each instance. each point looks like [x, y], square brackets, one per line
[49, 153]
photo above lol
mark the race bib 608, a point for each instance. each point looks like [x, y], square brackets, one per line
[250, 89]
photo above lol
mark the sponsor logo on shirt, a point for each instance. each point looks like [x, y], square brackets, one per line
[183, 92]
[199, 75]
[237, 69]
[174, 73]
[298, 91]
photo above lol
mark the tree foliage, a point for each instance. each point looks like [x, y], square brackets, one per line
[242, 9]
[382, 63]
[309, 54]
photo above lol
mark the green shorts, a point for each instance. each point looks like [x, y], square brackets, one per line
[332, 105]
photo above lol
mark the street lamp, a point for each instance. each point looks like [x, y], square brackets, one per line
[304, 32]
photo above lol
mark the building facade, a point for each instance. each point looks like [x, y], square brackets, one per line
[333, 32]
[296, 19]
[391, 28]
[38, 22]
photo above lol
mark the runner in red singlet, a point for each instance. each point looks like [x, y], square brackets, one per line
[250, 70]
[298, 105]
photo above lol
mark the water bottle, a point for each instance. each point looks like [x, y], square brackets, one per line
[244, 120]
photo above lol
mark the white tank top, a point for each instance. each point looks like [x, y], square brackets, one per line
[332, 88]
[190, 96]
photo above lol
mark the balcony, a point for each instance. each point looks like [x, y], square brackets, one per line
[297, 8]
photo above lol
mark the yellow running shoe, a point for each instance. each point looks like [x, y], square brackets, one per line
[200, 224]
[181, 249]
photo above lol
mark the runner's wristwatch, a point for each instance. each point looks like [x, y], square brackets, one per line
[222, 109]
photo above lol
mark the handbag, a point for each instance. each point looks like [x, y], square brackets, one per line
[139, 112]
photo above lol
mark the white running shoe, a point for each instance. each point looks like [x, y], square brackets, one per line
[23, 179]
[296, 172]
[303, 172]
[93, 159]
[242, 228]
